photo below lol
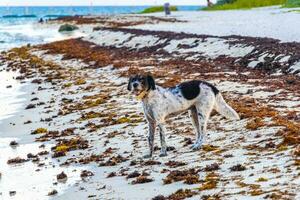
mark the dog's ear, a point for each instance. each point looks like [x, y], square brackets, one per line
[129, 84]
[151, 83]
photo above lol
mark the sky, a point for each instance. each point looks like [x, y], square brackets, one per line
[98, 2]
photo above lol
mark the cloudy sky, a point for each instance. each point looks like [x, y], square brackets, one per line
[98, 2]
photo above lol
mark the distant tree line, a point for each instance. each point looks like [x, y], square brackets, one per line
[221, 2]
[293, 3]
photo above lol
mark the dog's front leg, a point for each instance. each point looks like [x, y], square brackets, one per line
[151, 132]
[162, 131]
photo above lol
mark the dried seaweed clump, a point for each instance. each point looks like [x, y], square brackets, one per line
[39, 131]
[174, 164]
[71, 144]
[16, 160]
[142, 179]
[255, 124]
[182, 194]
[189, 176]
[210, 182]
[113, 161]
[237, 167]
[291, 132]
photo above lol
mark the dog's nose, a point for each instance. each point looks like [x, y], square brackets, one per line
[135, 85]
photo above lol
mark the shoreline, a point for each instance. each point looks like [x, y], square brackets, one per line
[95, 125]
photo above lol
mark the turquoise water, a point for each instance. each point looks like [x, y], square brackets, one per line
[78, 10]
[17, 23]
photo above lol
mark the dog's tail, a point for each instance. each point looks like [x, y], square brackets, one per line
[224, 109]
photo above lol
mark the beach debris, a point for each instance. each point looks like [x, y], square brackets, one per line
[111, 174]
[262, 179]
[13, 143]
[80, 82]
[39, 131]
[113, 161]
[141, 179]
[255, 124]
[188, 176]
[58, 154]
[28, 122]
[62, 177]
[16, 160]
[30, 106]
[133, 174]
[52, 192]
[187, 141]
[31, 155]
[37, 81]
[174, 164]
[238, 167]
[12, 193]
[212, 167]
[65, 145]
[182, 194]
[210, 181]
[86, 173]
[91, 158]
[151, 162]
[34, 99]
[159, 197]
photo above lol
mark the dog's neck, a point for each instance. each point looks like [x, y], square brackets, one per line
[145, 95]
[142, 95]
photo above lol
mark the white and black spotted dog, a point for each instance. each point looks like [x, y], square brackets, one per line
[198, 97]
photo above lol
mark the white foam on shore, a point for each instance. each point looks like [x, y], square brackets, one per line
[33, 33]
[10, 101]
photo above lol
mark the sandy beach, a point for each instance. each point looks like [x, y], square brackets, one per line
[75, 115]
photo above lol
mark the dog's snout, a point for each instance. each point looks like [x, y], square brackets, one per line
[135, 85]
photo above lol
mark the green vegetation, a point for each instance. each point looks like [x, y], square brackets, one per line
[157, 9]
[292, 3]
[245, 4]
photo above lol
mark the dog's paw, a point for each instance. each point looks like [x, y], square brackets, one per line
[163, 154]
[196, 146]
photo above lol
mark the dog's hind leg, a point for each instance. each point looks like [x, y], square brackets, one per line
[195, 122]
[162, 131]
[203, 112]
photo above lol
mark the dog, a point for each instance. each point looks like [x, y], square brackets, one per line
[198, 97]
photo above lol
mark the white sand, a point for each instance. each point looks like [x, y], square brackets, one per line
[264, 22]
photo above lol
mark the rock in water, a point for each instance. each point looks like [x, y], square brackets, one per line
[67, 28]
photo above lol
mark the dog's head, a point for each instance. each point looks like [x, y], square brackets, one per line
[141, 83]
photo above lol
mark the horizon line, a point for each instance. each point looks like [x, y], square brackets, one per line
[97, 5]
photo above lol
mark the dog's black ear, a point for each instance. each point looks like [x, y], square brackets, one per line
[129, 84]
[151, 83]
